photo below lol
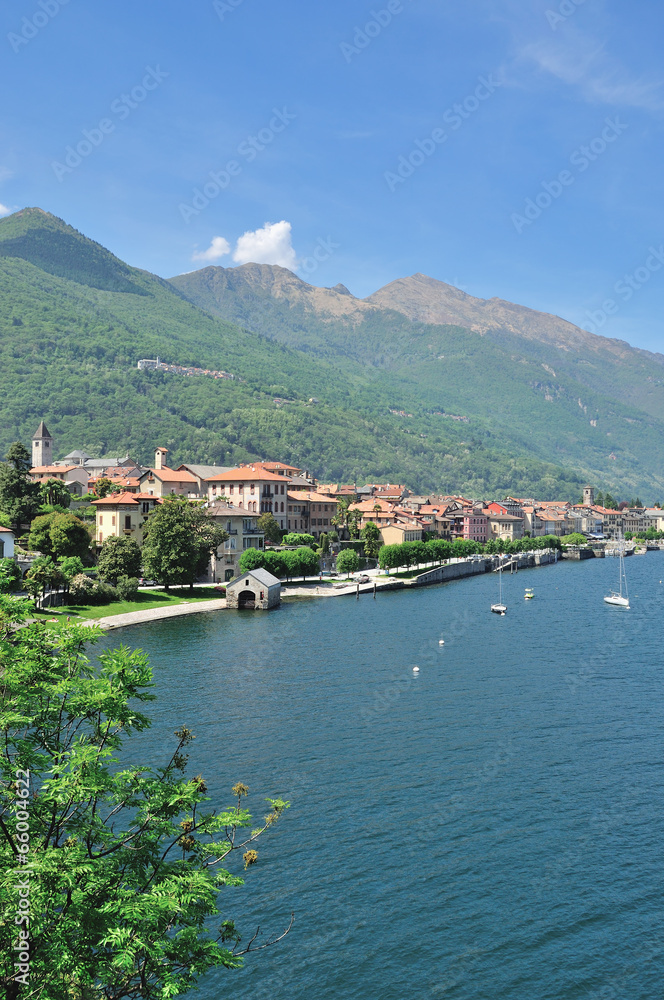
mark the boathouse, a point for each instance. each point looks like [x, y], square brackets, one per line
[257, 590]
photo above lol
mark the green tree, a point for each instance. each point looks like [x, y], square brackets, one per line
[340, 517]
[180, 539]
[119, 556]
[275, 563]
[370, 535]
[69, 536]
[10, 576]
[42, 575]
[354, 519]
[305, 562]
[19, 496]
[324, 544]
[252, 559]
[19, 457]
[70, 566]
[54, 493]
[348, 561]
[268, 523]
[576, 538]
[293, 538]
[609, 502]
[125, 861]
[39, 538]
[104, 486]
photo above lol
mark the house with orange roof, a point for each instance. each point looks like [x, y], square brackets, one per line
[257, 489]
[161, 481]
[123, 515]
[311, 508]
[401, 531]
[74, 477]
[505, 526]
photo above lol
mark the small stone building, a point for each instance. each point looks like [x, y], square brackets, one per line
[257, 589]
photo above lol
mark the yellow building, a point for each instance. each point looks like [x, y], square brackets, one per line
[123, 514]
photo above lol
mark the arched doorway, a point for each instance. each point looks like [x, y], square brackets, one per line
[247, 599]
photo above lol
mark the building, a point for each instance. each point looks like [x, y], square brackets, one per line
[254, 488]
[161, 481]
[202, 473]
[505, 526]
[316, 508]
[74, 477]
[123, 514]
[6, 543]
[588, 496]
[400, 532]
[42, 446]
[475, 525]
[243, 533]
[256, 590]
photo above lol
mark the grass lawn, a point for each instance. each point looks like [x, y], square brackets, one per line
[145, 601]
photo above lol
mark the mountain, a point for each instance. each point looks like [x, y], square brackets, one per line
[534, 381]
[345, 387]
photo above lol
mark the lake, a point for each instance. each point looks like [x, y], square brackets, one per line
[489, 829]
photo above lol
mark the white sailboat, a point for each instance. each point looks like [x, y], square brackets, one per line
[499, 608]
[620, 598]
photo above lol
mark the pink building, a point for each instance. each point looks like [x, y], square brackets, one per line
[475, 525]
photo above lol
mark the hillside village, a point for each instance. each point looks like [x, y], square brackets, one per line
[237, 497]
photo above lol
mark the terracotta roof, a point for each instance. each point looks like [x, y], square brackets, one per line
[275, 465]
[53, 468]
[171, 476]
[117, 499]
[7, 531]
[247, 474]
[312, 496]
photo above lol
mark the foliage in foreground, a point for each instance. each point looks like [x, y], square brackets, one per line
[116, 868]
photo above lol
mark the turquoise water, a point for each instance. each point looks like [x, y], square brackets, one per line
[490, 829]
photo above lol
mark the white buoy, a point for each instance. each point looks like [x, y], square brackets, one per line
[416, 670]
[441, 642]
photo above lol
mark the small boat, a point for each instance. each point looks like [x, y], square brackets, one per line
[617, 598]
[529, 594]
[441, 642]
[416, 670]
[499, 608]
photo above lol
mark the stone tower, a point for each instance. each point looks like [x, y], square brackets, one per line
[160, 458]
[588, 496]
[42, 447]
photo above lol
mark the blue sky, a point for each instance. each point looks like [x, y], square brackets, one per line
[543, 186]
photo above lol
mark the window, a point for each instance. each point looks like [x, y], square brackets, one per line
[113, 521]
[145, 507]
[127, 520]
[101, 519]
[282, 506]
[230, 490]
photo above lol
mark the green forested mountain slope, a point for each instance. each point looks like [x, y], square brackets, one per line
[578, 400]
[74, 320]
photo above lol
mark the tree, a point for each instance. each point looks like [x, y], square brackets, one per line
[54, 493]
[293, 538]
[180, 539]
[59, 535]
[268, 523]
[348, 561]
[576, 538]
[340, 518]
[19, 457]
[124, 862]
[609, 502]
[19, 496]
[70, 566]
[324, 544]
[251, 559]
[370, 535]
[43, 574]
[69, 536]
[275, 563]
[119, 556]
[104, 486]
[354, 519]
[10, 576]
[305, 562]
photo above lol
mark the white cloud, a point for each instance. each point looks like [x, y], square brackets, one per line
[269, 245]
[218, 248]
[601, 79]
[4, 211]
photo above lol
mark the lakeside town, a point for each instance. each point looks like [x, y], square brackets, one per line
[277, 518]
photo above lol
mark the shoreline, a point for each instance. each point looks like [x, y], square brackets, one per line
[453, 570]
